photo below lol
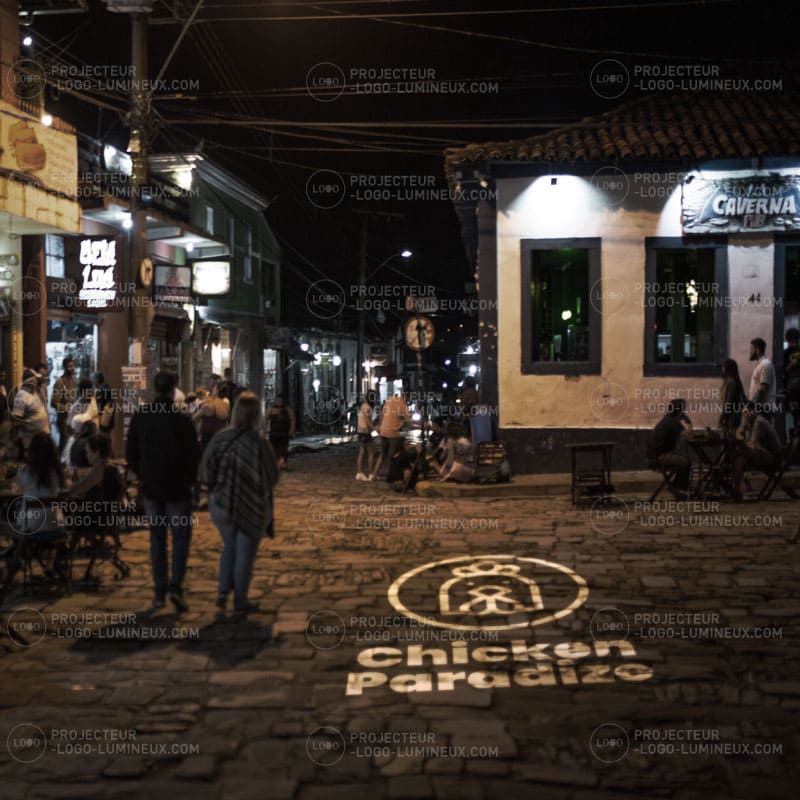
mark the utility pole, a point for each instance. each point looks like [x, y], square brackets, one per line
[362, 280]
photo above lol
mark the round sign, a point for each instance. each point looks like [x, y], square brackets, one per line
[419, 332]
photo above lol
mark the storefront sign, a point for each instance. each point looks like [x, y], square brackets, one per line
[173, 284]
[38, 151]
[98, 260]
[733, 205]
[211, 278]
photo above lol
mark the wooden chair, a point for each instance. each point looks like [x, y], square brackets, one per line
[774, 479]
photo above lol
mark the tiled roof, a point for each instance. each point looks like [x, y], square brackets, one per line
[660, 127]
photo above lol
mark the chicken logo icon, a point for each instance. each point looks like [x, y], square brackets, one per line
[488, 599]
[488, 592]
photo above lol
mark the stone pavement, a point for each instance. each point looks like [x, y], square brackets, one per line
[675, 677]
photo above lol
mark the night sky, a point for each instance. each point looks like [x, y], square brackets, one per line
[254, 74]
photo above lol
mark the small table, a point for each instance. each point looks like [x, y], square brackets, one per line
[713, 464]
[591, 480]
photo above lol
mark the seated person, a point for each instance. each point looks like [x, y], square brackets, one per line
[459, 455]
[102, 485]
[667, 449]
[42, 478]
[405, 468]
[760, 449]
[76, 447]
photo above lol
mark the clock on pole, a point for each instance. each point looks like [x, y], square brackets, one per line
[419, 332]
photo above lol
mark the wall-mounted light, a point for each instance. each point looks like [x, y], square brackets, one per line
[565, 315]
[27, 40]
[189, 247]
[304, 347]
[47, 119]
[337, 360]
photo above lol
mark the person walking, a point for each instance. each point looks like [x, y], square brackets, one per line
[162, 450]
[364, 428]
[212, 414]
[733, 398]
[280, 428]
[393, 416]
[763, 389]
[65, 392]
[240, 469]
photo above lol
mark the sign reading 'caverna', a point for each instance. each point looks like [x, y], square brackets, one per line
[752, 203]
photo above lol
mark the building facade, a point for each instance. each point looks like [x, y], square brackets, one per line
[624, 259]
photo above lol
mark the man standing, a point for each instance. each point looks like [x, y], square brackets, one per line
[763, 390]
[162, 450]
[29, 413]
[393, 417]
[65, 392]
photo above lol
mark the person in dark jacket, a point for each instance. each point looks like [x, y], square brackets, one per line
[667, 448]
[163, 451]
[280, 426]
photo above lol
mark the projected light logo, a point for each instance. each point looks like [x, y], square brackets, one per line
[484, 608]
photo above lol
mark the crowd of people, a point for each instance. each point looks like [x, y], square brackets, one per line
[217, 436]
[746, 421]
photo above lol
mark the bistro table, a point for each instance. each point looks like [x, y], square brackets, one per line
[714, 463]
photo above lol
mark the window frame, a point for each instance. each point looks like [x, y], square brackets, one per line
[594, 365]
[653, 368]
[48, 255]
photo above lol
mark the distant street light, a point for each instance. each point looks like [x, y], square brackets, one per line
[406, 253]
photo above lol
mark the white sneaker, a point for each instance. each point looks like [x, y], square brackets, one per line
[360, 476]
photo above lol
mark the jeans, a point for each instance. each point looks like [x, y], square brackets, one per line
[178, 516]
[238, 556]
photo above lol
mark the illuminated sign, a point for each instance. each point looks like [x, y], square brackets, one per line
[98, 260]
[739, 205]
[173, 284]
[211, 278]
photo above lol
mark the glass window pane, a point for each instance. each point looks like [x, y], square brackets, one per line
[683, 297]
[559, 304]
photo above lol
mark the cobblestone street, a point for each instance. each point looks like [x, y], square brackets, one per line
[675, 676]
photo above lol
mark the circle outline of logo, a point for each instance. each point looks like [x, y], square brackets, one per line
[605, 172]
[610, 608]
[11, 733]
[320, 206]
[593, 397]
[12, 635]
[326, 728]
[624, 733]
[626, 82]
[397, 604]
[343, 300]
[24, 497]
[601, 501]
[341, 638]
[15, 67]
[324, 99]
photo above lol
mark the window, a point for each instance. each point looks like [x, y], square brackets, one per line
[210, 219]
[685, 316]
[561, 326]
[248, 255]
[54, 256]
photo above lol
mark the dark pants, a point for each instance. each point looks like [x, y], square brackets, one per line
[177, 516]
[679, 461]
[749, 459]
[63, 431]
[280, 444]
